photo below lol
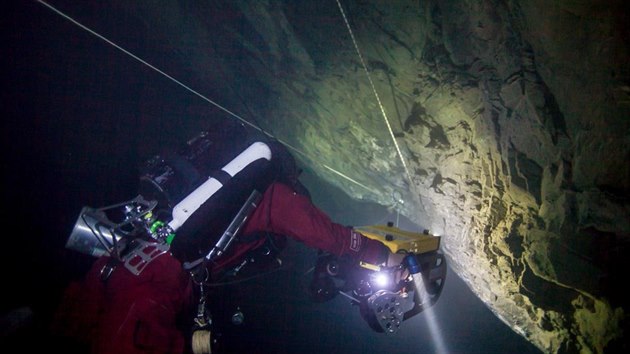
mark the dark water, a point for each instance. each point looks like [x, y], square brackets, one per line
[78, 118]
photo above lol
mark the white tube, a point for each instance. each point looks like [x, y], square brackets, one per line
[184, 209]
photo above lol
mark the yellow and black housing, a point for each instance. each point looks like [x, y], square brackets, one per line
[400, 241]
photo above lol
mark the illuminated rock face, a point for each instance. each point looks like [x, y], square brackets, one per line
[512, 118]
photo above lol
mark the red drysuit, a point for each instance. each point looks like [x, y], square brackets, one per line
[138, 313]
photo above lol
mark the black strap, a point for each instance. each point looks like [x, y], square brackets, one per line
[221, 176]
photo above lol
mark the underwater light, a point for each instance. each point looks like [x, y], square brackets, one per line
[381, 280]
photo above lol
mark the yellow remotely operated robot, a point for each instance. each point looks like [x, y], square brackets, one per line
[386, 295]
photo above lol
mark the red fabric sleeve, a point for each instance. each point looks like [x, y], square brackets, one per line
[127, 313]
[140, 313]
[285, 212]
[81, 306]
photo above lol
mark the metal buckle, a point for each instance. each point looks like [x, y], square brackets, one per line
[144, 253]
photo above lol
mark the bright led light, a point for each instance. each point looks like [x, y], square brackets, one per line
[429, 315]
[381, 280]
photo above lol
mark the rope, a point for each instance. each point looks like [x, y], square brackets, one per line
[146, 63]
[201, 342]
[378, 99]
[96, 34]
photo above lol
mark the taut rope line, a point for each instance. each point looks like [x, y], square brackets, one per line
[96, 34]
[378, 99]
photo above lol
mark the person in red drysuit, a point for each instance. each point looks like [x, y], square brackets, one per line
[130, 313]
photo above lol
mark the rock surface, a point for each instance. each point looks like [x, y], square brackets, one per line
[501, 125]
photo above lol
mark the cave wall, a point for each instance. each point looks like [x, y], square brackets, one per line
[511, 118]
